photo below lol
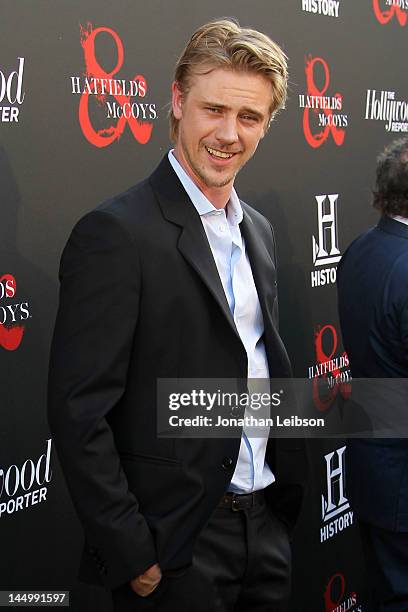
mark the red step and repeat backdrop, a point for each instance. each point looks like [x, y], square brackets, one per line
[84, 89]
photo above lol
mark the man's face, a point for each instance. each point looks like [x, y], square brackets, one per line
[221, 120]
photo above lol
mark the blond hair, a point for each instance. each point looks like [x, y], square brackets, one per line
[224, 44]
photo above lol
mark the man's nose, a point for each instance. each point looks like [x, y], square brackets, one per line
[227, 130]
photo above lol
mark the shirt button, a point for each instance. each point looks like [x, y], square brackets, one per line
[222, 228]
[227, 463]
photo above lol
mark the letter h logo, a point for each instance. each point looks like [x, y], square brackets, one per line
[336, 501]
[327, 225]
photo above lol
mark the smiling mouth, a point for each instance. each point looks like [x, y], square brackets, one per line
[219, 154]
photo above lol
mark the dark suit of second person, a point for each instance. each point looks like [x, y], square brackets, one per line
[373, 309]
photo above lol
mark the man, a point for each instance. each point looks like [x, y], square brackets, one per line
[373, 307]
[176, 278]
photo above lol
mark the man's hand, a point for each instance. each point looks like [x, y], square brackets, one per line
[145, 584]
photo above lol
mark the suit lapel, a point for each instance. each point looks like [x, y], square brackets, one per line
[262, 266]
[264, 273]
[192, 244]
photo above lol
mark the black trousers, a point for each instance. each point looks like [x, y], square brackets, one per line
[241, 563]
[386, 556]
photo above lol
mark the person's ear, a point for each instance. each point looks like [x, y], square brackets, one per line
[176, 100]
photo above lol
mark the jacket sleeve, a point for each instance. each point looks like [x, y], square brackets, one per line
[98, 311]
[404, 330]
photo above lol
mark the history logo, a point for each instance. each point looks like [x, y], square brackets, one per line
[390, 10]
[13, 314]
[325, 243]
[336, 513]
[323, 114]
[329, 8]
[109, 104]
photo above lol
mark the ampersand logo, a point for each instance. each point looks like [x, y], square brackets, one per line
[391, 9]
[331, 368]
[334, 592]
[334, 600]
[320, 115]
[120, 97]
[11, 314]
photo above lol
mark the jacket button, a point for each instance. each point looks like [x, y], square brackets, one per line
[227, 463]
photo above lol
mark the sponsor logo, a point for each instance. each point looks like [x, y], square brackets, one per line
[330, 368]
[123, 102]
[387, 10]
[336, 513]
[330, 8]
[12, 314]
[336, 598]
[322, 114]
[24, 486]
[325, 247]
[384, 106]
[11, 93]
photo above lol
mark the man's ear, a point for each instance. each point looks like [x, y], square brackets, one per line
[176, 100]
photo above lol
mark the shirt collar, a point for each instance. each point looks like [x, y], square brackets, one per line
[201, 203]
[400, 219]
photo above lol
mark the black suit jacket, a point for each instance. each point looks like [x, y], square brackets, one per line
[373, 306]
[141, 299]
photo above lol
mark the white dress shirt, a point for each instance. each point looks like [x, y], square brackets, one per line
[228, 248]
[400, 219]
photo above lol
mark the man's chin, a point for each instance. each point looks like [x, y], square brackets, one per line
[218, 181]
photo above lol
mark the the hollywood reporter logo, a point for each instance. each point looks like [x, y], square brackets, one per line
[116, 94]
[11, 93]
[387, 10]
[25, 485]
[330, 369]
[321, 118]
[385, 106]
[12, 314]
